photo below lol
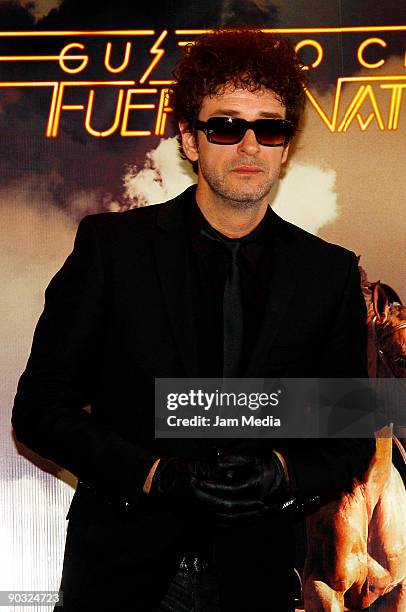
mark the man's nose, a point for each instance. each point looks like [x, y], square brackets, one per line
[249, 144]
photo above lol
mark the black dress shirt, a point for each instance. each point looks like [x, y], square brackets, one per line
[209, 261]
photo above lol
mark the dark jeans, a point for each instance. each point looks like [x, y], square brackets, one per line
[252, 570]
[199, 593]
[191, 593]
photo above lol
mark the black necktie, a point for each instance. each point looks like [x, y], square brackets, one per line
[232, 308]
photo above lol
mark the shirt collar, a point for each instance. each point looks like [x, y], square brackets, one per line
[252, 243]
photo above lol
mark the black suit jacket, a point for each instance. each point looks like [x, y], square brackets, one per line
[117, 315]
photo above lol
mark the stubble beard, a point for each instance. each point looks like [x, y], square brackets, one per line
[242, 197]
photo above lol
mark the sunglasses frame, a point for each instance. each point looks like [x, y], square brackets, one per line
[246, 125]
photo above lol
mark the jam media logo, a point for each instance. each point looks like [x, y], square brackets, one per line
[144, 98]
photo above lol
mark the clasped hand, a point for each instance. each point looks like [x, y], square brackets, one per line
[234, 487]
[243, 487]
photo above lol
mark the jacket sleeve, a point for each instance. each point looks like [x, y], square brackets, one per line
[328, 466]
[344, 353]
[48, 414]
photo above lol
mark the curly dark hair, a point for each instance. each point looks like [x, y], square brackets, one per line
[241, 58]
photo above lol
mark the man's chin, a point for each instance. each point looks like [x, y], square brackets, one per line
[245, 198]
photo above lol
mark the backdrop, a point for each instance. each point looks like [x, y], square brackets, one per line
[85, 127]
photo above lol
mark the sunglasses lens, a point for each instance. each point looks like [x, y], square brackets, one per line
[224, 130]
[231, 130]
[273, 132]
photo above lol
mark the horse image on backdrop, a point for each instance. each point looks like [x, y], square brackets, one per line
[356, 545]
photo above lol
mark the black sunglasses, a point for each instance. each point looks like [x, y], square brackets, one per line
[231, 130]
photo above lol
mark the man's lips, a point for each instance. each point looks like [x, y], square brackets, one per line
[247, 169]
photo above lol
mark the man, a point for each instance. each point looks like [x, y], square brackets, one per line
[210, 284]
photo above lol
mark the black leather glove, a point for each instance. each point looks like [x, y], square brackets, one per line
[241, 487]
[173, 477]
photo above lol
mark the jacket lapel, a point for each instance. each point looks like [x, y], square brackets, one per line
[285, 255]
[172, 260]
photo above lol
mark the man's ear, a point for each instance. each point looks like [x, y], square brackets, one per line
[188, 142]
[285, 153]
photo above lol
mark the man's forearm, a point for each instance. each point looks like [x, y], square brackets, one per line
[284, 465]
[148, 482]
